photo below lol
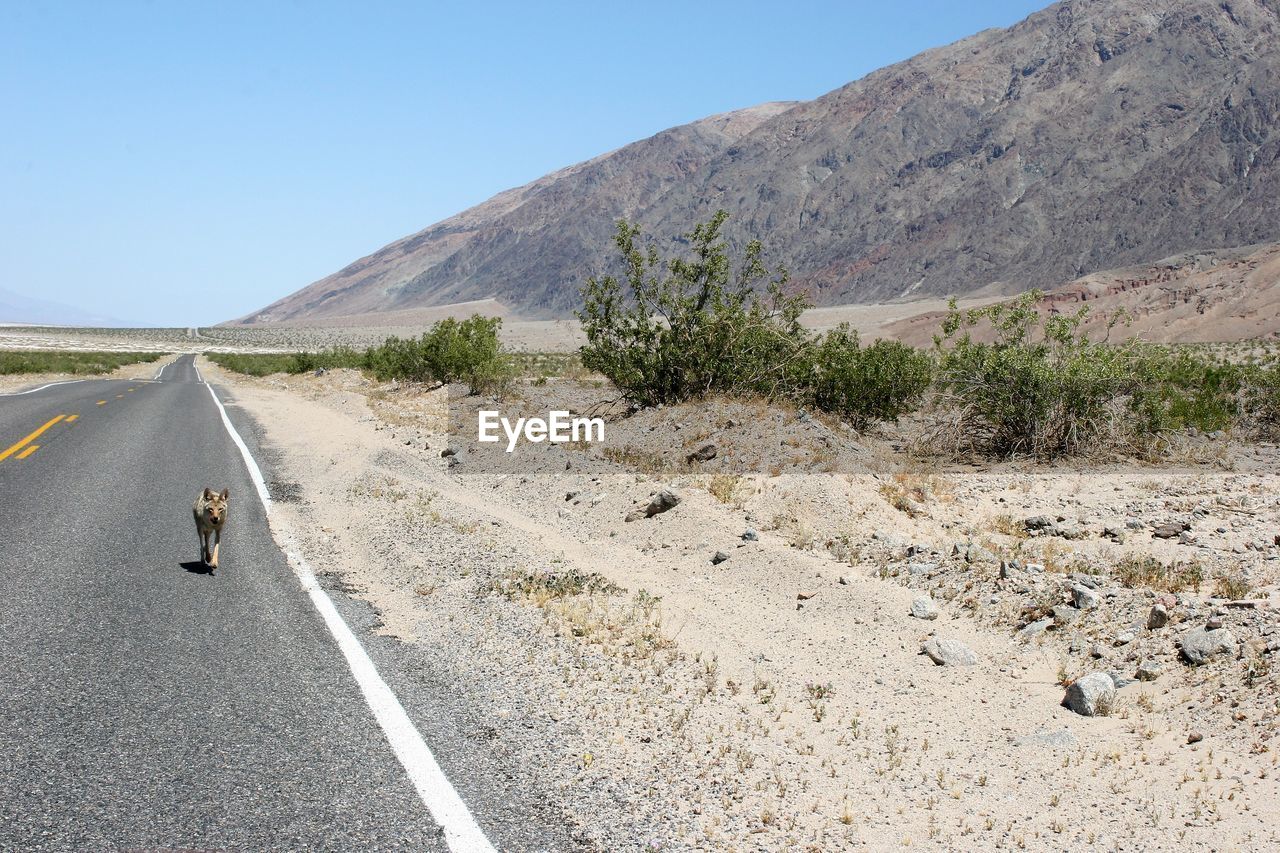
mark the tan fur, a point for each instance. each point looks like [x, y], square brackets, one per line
[210, 510]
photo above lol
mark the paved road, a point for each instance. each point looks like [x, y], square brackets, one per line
[145, 703]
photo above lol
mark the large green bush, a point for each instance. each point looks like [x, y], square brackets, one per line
[1040, 388]
[683, 328]
[451, 351]
[880, 382]
[1179, 388]
[692, 326]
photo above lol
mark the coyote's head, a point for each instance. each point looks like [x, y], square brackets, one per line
[215, 506]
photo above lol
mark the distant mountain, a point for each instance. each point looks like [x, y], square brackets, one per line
[16, 308]
[1093, 135]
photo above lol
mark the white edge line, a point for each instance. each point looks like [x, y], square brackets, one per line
[161, 370]
[41, 388]
[461, 831]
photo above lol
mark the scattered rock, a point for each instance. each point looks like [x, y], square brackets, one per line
[924, 607]
[1170, 529]
[658, 504]
[1035, 629]
[1200, 645]
[1148, 670]
[1195, 737]
[1248, 604]
[719, 557]
[921, 568]
[1084, 598]
[949, 652]
[1091, 696]
[1038, 522]
[1214, 623]
[703, 454]
[1158, 617]
[978, 554]
[1065, 614]
[750, 535]
[449, 451]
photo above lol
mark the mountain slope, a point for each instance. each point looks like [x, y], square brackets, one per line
[547, 225]
[1095, 134]
[1091, 135]
[1207, 295]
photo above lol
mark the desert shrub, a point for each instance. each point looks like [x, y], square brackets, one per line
[252, 364]
[1041, 388]
[1234, 586]
[265, 364]
[860, 384]
[684, 328]
[69, 361]
[688, 327]
[450, 351]
[1260, 400]
[1181, 388]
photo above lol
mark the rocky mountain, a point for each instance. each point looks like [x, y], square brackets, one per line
[1095, 134]
[557, 223]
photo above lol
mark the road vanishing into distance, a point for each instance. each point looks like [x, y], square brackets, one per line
[148, 704]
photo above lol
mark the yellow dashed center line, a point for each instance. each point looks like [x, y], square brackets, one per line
[102, 402]
[14, 448]
[119, 396]
[71, 418]
[32, 449]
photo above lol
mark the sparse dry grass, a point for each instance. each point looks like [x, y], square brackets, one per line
[1233, 586]
[1147, 572]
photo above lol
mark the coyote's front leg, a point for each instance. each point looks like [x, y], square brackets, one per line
[217, 540]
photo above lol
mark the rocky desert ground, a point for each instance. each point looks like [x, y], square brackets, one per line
[740, 627]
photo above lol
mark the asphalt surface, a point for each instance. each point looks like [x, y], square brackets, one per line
[147, 704]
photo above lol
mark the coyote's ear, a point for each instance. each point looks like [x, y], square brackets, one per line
[226, 493]
[208, 493]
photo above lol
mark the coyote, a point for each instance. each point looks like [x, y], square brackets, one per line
[210, 511]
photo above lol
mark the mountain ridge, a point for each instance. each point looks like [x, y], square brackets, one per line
[1092, 135]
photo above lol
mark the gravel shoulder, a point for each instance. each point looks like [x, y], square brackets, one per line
[743, 671]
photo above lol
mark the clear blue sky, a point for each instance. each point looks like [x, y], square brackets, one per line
[183, 163]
